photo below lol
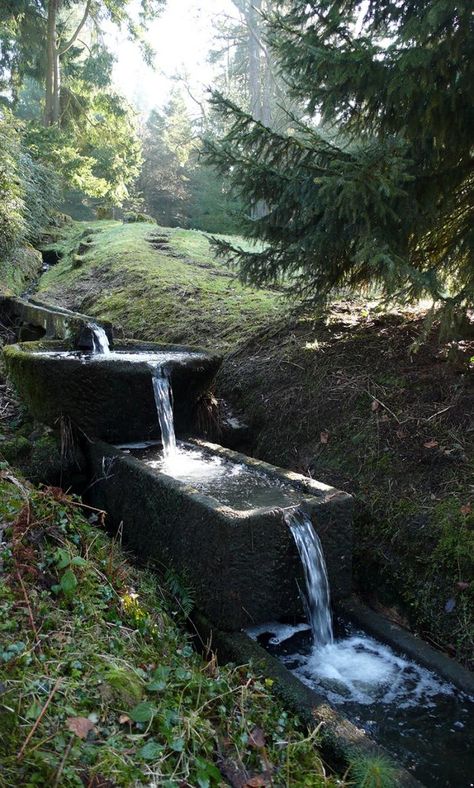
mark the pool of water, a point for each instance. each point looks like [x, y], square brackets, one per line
[153, 358]
[423, 720]
[231, 483]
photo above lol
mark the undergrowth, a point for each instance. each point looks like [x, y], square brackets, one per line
[99, 685]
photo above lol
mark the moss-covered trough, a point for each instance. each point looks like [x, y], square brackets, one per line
[242, 565]
[110, 399]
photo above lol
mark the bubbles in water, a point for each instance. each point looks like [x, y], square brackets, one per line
[360, 669]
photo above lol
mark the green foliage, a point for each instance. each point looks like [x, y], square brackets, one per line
[167, 144]
[28, 188]
[12, 206]
[177, 187]
[382, 193]
[98, 152]
[373, 772]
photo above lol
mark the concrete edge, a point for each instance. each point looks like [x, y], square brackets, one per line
[208, 501]
[339, 739]
[315, 488]
[411, 645]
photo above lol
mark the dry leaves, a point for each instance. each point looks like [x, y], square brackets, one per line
[431, 444]
[324, 436]
[79, 725]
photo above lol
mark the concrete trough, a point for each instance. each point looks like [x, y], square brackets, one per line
[33, 320]
[242, 564]
[111, 399]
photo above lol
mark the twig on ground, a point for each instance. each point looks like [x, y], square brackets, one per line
[38, 720]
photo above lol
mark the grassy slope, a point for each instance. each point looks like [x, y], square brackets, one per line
[178, 293]
[407, 458]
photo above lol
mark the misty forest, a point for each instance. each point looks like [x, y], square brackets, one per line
[236, 393]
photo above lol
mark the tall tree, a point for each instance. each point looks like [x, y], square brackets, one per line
[382, 193]
[43, 33]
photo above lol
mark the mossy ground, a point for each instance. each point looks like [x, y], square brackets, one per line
[101, 687]
[154, 283]
[19, 272]
[342, 398]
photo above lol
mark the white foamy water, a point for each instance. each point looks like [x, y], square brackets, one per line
[100, 340]
[280, 632]
[137, 357]
[357, 669]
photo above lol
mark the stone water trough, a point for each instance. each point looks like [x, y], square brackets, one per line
[107, 398]
[241, 562]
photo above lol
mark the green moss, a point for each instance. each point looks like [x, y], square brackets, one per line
[176, 293]
[19, 272]
[15, 450]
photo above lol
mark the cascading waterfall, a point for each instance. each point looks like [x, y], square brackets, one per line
[100, 342]
[164, 408]
[315, 573]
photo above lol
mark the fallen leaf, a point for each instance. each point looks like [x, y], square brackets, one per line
[462, 585]
[257, 738]
[124, 718]
[385, 417]
[79, 725]
[430, 444]
[466, 509]
[401, 434]
[375, 405]
[324, 436]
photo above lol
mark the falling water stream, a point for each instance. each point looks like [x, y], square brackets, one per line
[315, 573]
[423, 719]
[100, 340]
[164, 408]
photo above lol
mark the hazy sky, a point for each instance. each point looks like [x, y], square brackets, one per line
[181, 38]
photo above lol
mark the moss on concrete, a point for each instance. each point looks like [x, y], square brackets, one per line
[112, 400]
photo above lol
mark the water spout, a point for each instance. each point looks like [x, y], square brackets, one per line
[100, 342]
[315, 573]
[164, 408]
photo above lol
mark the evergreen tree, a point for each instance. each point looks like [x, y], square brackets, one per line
[381, 190]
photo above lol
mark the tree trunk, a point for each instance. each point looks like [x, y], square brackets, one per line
[252, 19]
[51, 62]
[56, 88]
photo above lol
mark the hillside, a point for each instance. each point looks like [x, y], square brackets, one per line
[155, 282]
[343, 399]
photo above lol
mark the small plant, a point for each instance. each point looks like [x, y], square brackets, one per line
[373, 772]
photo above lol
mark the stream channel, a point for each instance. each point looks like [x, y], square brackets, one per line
[420, 718]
